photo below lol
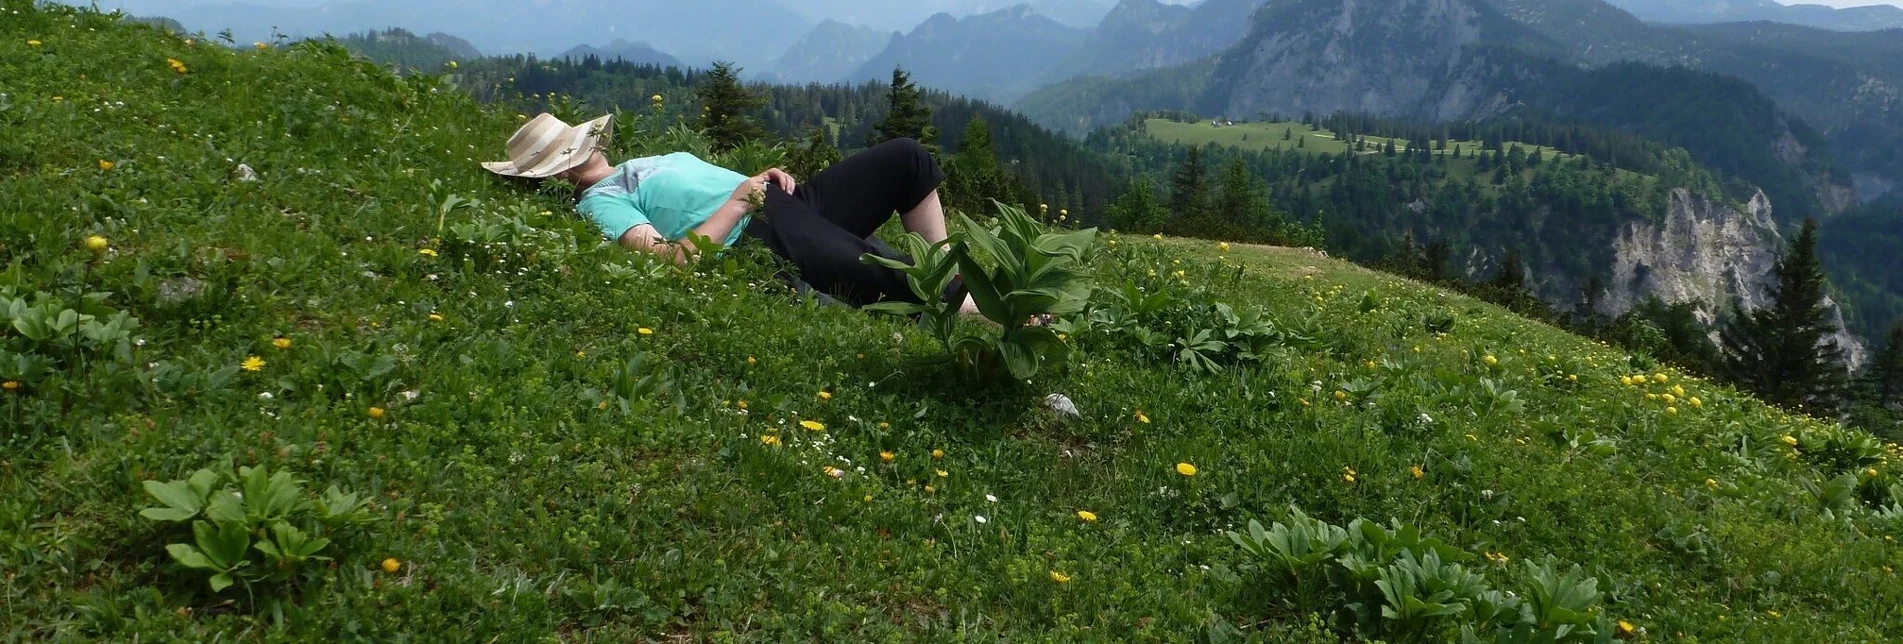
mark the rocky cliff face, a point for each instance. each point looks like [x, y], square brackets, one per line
[1705, 251]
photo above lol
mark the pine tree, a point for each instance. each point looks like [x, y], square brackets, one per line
[725, 102]
[1435, 259]
[1187, 188]
[908, 117]
[974, 177]
[812, 155]
[1137, 210]
[1784, 352]
[1887, 371]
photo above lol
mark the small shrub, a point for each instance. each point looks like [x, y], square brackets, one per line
[252, 528]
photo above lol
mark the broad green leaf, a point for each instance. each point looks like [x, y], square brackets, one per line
[190, 557]
[177, 496]
[896, 308]
[983, 291]
[167, 514]
[224, 544]
[225, 507]
[220, 581]
[1020, 360]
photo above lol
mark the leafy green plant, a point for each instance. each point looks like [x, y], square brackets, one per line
[1038, 274]
[251, 528]
[1560, 605]
[1296, 552]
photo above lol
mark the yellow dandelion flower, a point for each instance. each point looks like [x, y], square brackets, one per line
[938, 454]
[1774, 614]
[813, 425]
[10, 385]
[1711, 483]
[644, 331]
[887, 457]
[929, 489]
[1348, 478]
[834, 472]
[1870, 472]
[252, 363]
[1669, 399]
[1416, 472]
[1142, 417]
[1695, 402]
[281, 343]
[426, 252]
[33, 43]
[1671, 411]
[885, 425]
[1572, 377]
[1626, 629]
[1651, 396]
[1661, 378]
[941, 473]
[1087, 516]
[391, 565]
[769, 440]
[1185, 469]
[97, 244]
[1491, 361]
[656, 98]
[1158, 236]
[376, 413]
[825, 395]
[435, 317]
[106, 165]
[1678, 390]
[742, 403]
[1341, 396]
[751, 361]
[1789, 440]
[1222, 247]
[1060, 577]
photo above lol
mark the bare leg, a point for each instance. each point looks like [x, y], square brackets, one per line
[928, 220]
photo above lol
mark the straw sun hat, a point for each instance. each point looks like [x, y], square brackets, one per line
[546, 146]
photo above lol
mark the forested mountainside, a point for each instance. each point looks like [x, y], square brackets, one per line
[993, 56]
[1874, 16]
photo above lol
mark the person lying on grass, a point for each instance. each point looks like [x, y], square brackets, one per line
[821, 225]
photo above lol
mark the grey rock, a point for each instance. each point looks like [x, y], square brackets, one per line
[246, 174]
[179, 289]
[1061, 405]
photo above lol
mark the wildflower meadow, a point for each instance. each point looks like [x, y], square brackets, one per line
[282, 363]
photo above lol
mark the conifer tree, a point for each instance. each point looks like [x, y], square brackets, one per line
[908, 117]
[725, 103]
[1137, 210]
[1187, 187]
[1784, 352]
[1887, 371]
[813, 154]
[974, 177]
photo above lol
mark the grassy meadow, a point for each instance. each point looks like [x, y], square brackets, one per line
[1264, 136]
[428, 404]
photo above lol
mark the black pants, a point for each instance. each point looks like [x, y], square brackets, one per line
[823, 226]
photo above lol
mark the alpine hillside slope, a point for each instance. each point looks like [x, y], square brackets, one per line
[359, 390]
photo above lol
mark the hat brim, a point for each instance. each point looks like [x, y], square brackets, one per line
[592, 133]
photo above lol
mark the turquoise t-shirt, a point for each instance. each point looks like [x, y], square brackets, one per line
[676, 193]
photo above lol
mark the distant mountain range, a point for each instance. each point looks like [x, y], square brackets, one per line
[995, 56]
[621, 49]
[829, 53]
[752, 32]
[1868, 18]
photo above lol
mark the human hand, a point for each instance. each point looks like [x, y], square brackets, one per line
[780, 177]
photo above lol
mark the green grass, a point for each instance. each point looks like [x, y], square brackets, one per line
[523, 501]
[1268, 136]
